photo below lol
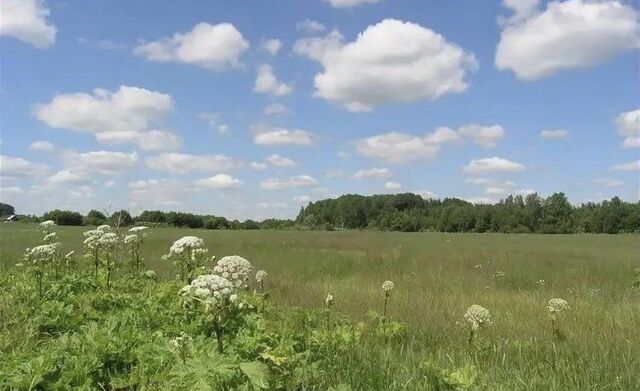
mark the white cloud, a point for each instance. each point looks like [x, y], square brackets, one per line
[267, 83]
[522, 10]
[631, 166]
[41, 146]
[392, 185]
[180, 163]
[158, 194]
[216, 47]
[275, 109]
[271, 135]
[495, 190]
[566, 35]
[287, 183]
[272, 205]
[214, 120]
[119, 117]
[220, 181]
[397, 147]
[608, 182]
[493, 164]
[485, 136]
[27, 21]
[372, 173]
[68, 176]
[491, 182]
[272, 46]
[391, 61]
[100, 162]
[629, 128]
[310, 26]
[481, 200]
[554, 134]
[258, 166]
[350, 3]
[302, 199]
[280, 161]
[17, 167]
[425, 194]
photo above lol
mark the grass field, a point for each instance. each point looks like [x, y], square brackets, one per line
[437, 276]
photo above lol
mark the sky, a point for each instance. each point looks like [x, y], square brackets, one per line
[252, 109]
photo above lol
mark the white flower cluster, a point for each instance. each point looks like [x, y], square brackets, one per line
[138, 228]
[180, 342]
[132, 240]
[261, 275]
[556, 306]
[387, 287]
[42, 253]
[47, 226]
[234, 268]
[477, 316]
[186, 243]
[50, 237]
[108, 240]
[211, 289]
[329, 300]
[94, 238]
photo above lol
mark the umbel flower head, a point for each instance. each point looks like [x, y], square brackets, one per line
[51, 237]
[387, 287]
[261, 275]
[329, 300]
[47, 226]
[138, 228]
[210, 289]
[108, 240]
[132, 240]
[234, 268]
[477, 317]
[186, 243]
[42, 253]
[556, 306]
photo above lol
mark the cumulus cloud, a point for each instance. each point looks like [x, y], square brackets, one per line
[302, 199]
[181, 163]
[17, 167]
[100, 162]
[629, 128]
[568, 34]
[631, 166]
[485, 136]
[68, 176]
[271, 135]
[397, 147]
[123, 116]
[280, 161]
[350, 3]
[272, 46]
[267, 83]
[275, 109]
[372, 173]
[310, 26]
[492, 164]
[220, 181]
[158, 194]
[258, 166]
[392, 61]
[491, 182]
[288, 183]
[41, 146]
[392, 186]
[27, 21]
[554, 134]
[216, 47]
[425, 194]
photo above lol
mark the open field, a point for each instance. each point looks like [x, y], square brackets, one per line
[437, 276]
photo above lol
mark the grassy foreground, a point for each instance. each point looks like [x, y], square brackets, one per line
[81, 335]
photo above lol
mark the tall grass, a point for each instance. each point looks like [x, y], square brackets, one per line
[437, 277]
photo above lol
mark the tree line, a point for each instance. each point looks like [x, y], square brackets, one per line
[406, 212]
[514, 214]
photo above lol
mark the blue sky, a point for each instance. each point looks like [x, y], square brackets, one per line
[252, 109]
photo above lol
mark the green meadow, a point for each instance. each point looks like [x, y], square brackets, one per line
[422, 343]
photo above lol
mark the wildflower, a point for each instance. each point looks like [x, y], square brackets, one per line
[329, 300]
[188, 243]
[150, 274]
[47, 226]
[138, 228]
[479, 266]
[104, 228]
[477, 317]
[50, 237]
[43, 252]
[387, 287]
[132, 240]
[498, 273]
[210, 289]
[540, 282]
[235, 268]
[108, 240]
[261, 275]
[180, 342]
[556, 306]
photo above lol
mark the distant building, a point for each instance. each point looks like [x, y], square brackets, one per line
[12, 218]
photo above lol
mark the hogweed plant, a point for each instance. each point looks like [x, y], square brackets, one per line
[133, 242]
[234, 268]
[39, 257]
[329, 300]
[188, 253]
[387, 287]
[476, 317]
[261, 276]
[555, 307]
[211, 295]
[93, 243]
